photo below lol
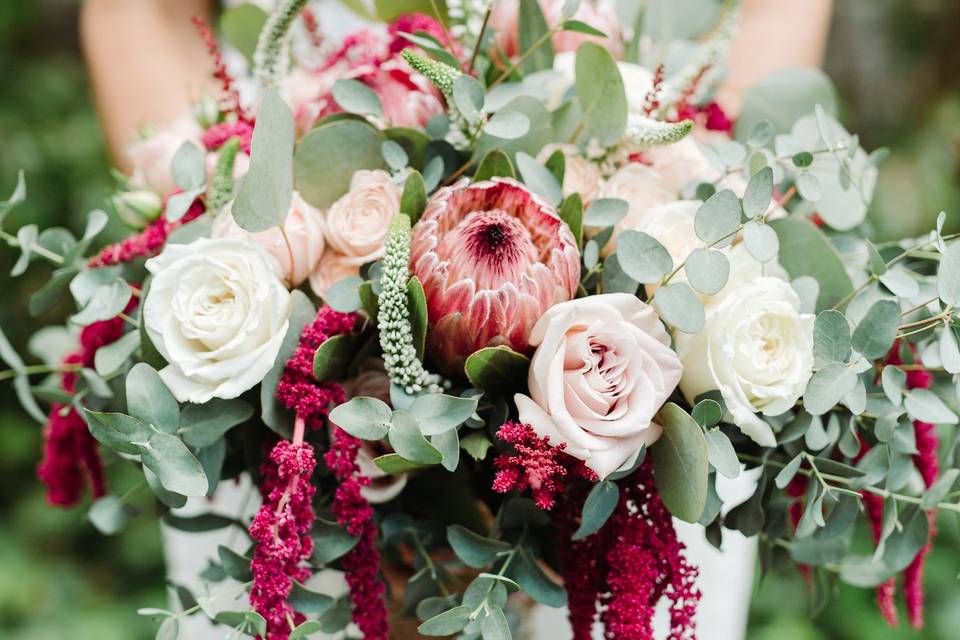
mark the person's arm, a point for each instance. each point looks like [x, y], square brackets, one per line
[146, 62]
[774, 34]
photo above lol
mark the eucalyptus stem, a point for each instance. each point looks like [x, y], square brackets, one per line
[883, 493]
[39, 368]
[516, 63]
[483, 30]
[431, 566]
[501, 573]
[33, 247]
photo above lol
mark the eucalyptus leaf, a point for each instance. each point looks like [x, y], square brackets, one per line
[827, 388]
[680, 463]
[473, 549]
[831, 337]
[679, 306]
[507, 125]
[438, 413]
[877, 330]
[757, 196]
[362, 417]
[538, 178]
[150, 401]
[605, 212]
[721, 454]
[926, 406]
[718, 218]
[707, 270]
[601, 94]
[642, 257]
[408, 441]
[597, 508]
[356, 97]
[201, 425]
[266, 191]
[761, 241]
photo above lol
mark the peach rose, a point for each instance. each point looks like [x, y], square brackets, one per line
[357, 223]
[303, 228]
[580, 175]
[333, 266]
[602, 369]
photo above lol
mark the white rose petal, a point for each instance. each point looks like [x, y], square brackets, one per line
[217, 311]
[756, 349]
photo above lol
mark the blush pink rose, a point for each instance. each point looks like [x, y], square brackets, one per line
[600, 14]
[303, 228]
[151, 157]
[357, 223]
[602, 369]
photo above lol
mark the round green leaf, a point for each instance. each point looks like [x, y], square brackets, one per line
[355, 97]
[831, 337]
[679, 306]
[642, 257]
[827, 387]
[364, 418]
[601, 94]
[600, 503]
[707, 270]
[328, 156]
[680, 463]
[761, 241]
[876, 332]
[718, 218]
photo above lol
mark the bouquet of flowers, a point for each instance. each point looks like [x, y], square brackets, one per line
[482, 302]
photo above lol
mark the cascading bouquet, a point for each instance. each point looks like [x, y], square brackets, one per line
[559, 296]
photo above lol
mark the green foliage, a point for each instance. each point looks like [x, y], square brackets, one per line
[328, 156]
[601, 94]
[680, 463]
[267, 190]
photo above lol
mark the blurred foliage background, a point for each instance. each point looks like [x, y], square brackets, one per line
[897, 66]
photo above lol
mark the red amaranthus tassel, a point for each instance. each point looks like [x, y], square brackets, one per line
[354, 513]
[145, 244]
[536, 465]
[70, 456]
[642, 562]
[280, 532]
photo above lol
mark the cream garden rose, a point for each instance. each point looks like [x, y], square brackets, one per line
[217, 311]
[756, 349]
[643, 189]
[298, 248]
[579, 175]
[357, 223]
[602, 369]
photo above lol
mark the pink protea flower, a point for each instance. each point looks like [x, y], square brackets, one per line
[492, 257]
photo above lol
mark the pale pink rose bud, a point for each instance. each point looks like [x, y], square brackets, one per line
[137, 208]
[357, 223]
[151, 157]
[333, 266]
[298, 253]
[596, 13]
[579, 176]
[492, 257]
[602, 369]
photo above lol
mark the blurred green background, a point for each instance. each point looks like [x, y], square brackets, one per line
[897, 67]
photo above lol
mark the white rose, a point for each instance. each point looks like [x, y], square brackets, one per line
[579, 175]
[358, 222]
[602, 369]
[217, 311]
[756, 349]
[681, 164]
[642, 188]
[298, 248]
[151, 157]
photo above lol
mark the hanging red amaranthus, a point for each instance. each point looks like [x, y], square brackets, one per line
[300, 392]
[231, 96]
[354, 513]
[147, 243]
[628, 566]
[280, 532]
[70, 456]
